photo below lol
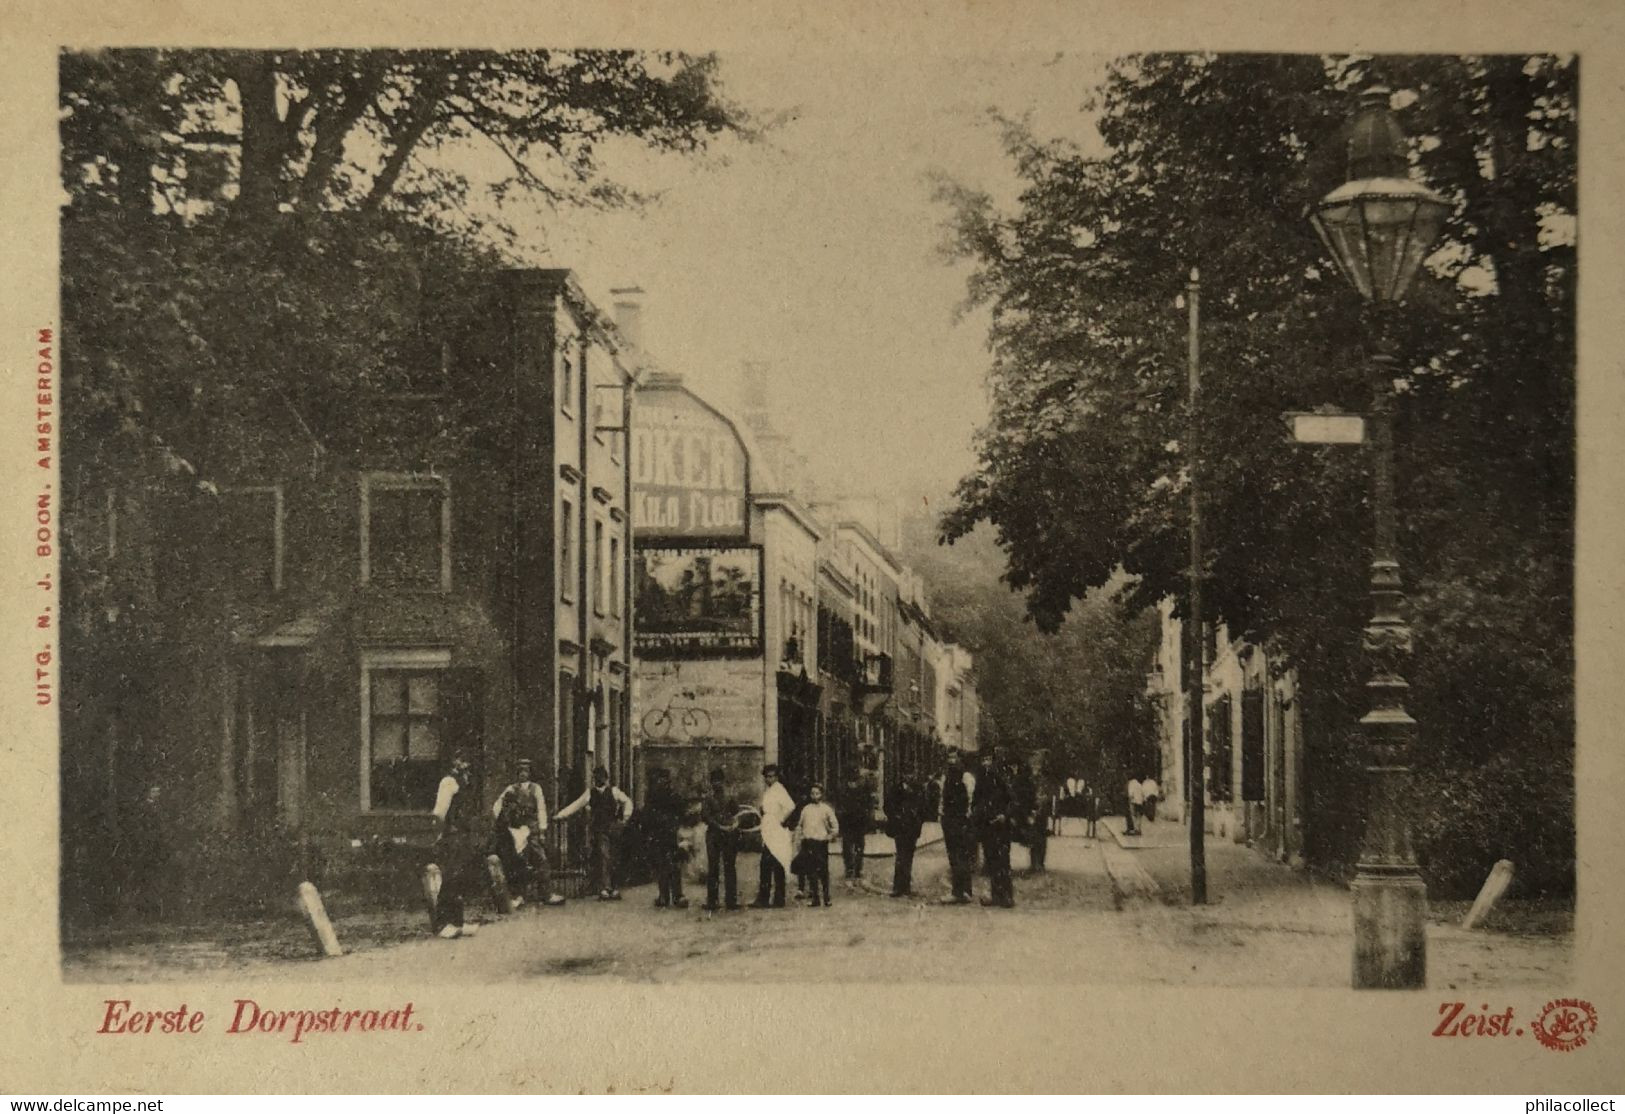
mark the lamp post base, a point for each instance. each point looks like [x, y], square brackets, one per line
[1390, 932]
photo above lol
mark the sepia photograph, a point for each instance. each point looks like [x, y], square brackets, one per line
[545, 518]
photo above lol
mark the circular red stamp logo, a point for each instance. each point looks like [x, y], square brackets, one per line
[1565, 1024]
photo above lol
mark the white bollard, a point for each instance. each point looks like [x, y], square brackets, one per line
[1494, 887]
[431, 889]
[500, 897]
[310, 903]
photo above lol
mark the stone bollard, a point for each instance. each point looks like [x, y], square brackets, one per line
[431, 890]
[1495, 887]
[310, 904]
[500, 897]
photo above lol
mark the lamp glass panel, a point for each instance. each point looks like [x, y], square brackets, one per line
[1345, 233]
[1425, 228]
[1384, 247]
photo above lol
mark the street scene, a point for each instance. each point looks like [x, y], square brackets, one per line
[677, 517]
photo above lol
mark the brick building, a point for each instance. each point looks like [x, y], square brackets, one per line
[326, 627]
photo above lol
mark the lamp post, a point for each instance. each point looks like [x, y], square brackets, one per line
[1378, 226]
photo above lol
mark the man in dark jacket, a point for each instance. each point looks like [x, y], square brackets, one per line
[854, 814]
[662, 815]
[1040, 810]
[721, 844]
[958, 832]
[904, 816]
[995, 810]
[458, 851]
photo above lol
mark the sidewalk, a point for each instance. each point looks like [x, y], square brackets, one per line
[1153, 833]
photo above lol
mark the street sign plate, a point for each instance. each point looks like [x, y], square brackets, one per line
[1327, 429]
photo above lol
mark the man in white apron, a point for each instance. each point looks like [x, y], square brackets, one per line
[776, 854]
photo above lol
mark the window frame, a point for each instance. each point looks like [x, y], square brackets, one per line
[567, 550]
[569, 369]
[406, 481]
[600, 584]
[399, 660]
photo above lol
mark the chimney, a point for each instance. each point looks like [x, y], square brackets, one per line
[629, 314]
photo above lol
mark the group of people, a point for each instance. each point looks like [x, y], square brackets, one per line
[514, 834]
[987, 809]
[796, 839]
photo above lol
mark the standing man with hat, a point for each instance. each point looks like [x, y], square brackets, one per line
[520, 811]
[662, 815]
[995, 811]
[462, 865]
[608, 810]
[959, 790]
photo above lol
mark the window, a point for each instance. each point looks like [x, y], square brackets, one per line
[403, 728]
[567, 551]
[1252, 745]
[567, 381]
[1221, 779]
[600, 570]
[615, 577]
[250, 536]
[406, 531]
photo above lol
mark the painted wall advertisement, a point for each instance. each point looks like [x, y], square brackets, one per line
[698, 602]
[700, 703]
[689, 469]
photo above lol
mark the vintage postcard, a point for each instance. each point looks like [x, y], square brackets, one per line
[799, 548]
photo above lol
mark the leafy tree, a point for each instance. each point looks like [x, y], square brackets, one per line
[1077, 694]
[269, 132]
[1214, 161]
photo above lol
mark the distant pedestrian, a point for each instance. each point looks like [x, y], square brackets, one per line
[855, 813]
[776, 855]
[995, 810]
[1136, 801]
[1042, 815]
[457, 850]
[905, 816]
[958, 830]
[520, 812]
[608, 810]
[662, 815]
[818, 826]
[1152, 792]
[721, 844]
[1091, 812]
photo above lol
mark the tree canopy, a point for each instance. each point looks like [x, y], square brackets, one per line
[1213, 161]
[253, 240]
[268, 132]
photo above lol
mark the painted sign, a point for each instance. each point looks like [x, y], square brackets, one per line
[698, 703]
[698, 601]
[690, 471]
[1327, 428]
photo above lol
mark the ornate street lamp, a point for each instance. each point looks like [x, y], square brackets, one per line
[1379, 226]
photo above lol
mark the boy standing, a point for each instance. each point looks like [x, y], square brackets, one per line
[818, 826]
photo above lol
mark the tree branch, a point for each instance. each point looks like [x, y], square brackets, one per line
[429, 98]
[359, 95]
